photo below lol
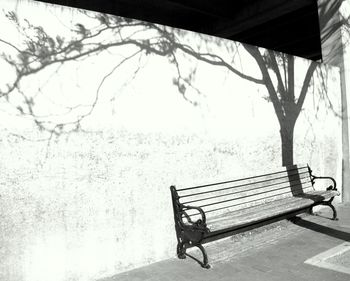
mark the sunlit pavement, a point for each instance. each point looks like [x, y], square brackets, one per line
[274, 252]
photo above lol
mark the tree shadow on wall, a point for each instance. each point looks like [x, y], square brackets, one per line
[40, 50]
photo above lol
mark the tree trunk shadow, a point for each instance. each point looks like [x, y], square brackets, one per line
[297, 186]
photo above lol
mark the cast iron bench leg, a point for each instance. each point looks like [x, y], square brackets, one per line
[329, 203]
[205, 263]
[335, 215]
[182, 254]
[181, 250]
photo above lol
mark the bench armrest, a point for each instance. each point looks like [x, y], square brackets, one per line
[200, 224]
[331, 187]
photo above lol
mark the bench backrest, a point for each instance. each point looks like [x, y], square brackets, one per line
[238, 194]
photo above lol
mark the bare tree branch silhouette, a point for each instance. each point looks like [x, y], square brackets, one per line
[39, 51]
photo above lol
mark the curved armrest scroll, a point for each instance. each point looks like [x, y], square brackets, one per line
[200, 210]
[331, 187]
[200, 224]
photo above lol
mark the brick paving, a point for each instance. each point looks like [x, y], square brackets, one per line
[273, 252]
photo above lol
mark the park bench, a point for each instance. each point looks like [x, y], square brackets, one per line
[213, 211]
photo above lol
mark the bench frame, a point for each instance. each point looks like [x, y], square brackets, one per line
[196, 233]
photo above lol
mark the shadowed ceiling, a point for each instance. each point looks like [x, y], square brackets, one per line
[289, 26]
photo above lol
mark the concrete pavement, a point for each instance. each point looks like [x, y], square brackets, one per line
[274, 252]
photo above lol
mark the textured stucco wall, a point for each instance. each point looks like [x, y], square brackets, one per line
[100, 204]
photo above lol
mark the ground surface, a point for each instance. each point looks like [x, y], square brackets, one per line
[274, 252]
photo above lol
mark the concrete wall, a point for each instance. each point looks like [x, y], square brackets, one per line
[334, 27]
[92, 203]
[345, 86]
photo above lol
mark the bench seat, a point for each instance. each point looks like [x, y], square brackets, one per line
[237, 219]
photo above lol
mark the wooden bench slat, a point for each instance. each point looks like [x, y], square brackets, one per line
[283, 176]
[276, 203]
[244, 200]
[264, 211]
[316, 195]
[295, 188]
[254, 187]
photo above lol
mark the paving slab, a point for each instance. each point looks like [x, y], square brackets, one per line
[274, 252]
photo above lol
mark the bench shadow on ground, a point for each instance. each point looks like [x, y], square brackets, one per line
[332, 232]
